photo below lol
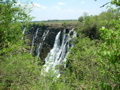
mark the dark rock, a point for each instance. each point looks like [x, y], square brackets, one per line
[49, 41]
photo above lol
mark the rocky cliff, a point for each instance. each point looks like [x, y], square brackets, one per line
[37, 29]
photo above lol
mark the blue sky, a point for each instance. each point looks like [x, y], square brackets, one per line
[65, 9]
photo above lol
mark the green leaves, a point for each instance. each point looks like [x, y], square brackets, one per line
[11, 17]
[109, 53]
[116, 2]
[111, 41]
[15, 65]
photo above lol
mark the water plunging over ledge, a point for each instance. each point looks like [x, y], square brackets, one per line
[57, 54]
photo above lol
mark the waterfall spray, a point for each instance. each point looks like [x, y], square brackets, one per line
[57, 55]
[23, 32]
[33, 40]
[41, 43]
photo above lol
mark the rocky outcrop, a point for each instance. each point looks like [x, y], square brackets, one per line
[50, 38]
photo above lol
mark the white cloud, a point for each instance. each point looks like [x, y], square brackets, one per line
[74, 10]
[30, 5]
[70, 10]
[61, 3]
[83, 2]
[57, 7]
[36, 5]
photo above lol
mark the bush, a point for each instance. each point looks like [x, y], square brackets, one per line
[82, 67]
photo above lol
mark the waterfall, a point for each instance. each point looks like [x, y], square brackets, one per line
[57, 55]
[23, 32]
[33, 40]
[36, 33]
[41, 43]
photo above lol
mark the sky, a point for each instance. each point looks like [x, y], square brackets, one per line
[64, 9]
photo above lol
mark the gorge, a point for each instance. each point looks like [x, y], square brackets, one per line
[51, 45]
[50, 55]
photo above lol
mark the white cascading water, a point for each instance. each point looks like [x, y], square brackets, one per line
[41, 43]
[23, 32]
[33, 40]
[57, 55]
[67, 46]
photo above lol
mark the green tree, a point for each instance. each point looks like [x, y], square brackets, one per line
[11, 18]
[116, 2]
[17, 66]
[81, 19]
[109, 53]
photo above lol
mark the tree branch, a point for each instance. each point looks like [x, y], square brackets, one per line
[104, 4]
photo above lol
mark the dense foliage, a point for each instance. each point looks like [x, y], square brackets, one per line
[96, 66]
[93, 63]
[17, 68]
[89, 25]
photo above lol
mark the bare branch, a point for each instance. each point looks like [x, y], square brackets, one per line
[104, 4]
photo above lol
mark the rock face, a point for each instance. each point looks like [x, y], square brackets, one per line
[35, 36]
